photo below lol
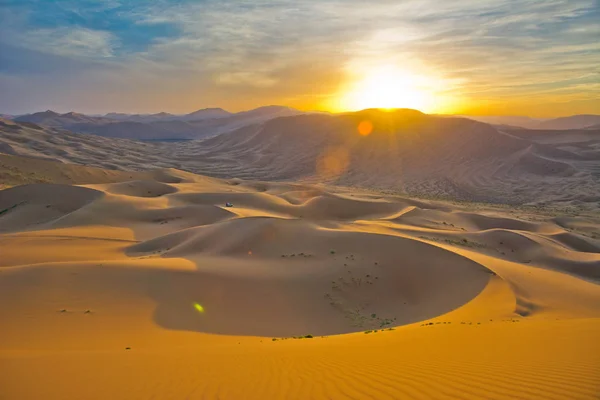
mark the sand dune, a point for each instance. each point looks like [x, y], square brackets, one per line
[16, 170]
[152, 287]
[404, 152]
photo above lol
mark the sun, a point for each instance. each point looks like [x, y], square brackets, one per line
[388, 87]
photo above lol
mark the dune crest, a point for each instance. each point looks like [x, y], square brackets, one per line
[423, 296]
[405, 152]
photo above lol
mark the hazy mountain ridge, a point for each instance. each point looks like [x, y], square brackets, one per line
[579, 121]
[405, 152]
[56, 120]
[573, 122]
[206, 113]
[210, 122]
[160, 126]
[140, 117]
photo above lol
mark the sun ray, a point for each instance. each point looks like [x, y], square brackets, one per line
[389, 87]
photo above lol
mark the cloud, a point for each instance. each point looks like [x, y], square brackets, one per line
[77, 42]
[267, 51]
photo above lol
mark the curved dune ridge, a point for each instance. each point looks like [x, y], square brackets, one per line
[33, 206]
[295, 291]
[321, 290]
[141, 189]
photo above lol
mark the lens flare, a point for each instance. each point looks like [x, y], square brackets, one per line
[199, 307]
[333, 162]
[365, 128]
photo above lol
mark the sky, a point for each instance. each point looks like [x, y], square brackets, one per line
[480, 57]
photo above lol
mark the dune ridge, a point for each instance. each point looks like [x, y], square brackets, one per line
[393, 297]
[405, 152]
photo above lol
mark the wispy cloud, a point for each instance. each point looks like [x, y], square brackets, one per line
[74, 41]
[240, 54]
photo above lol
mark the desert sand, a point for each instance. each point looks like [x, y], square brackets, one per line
[405, 152]
[147, 286]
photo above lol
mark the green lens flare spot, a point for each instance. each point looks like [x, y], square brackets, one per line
[198, 307]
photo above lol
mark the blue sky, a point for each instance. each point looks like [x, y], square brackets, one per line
[494, 57]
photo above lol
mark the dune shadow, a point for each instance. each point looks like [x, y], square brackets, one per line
[300, 280]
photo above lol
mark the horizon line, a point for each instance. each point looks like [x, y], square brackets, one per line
[102, 114]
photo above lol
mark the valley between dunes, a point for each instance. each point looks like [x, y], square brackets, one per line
[152, 288]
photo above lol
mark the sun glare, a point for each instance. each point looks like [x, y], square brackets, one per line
[389, 87]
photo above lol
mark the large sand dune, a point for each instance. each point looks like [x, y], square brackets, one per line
[151, 287]
[403, 152]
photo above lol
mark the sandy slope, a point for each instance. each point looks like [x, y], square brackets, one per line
[15, 170]
[404, 152]
[101, 287]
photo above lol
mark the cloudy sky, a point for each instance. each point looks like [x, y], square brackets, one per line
[517, 57]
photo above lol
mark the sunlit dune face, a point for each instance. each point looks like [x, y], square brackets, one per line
[389, 87]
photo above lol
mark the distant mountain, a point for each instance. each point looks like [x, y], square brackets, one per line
[270, 111]
[157, 130]
[206, 113]
[118, 116]
[563, 123]
[403, 146]
[56, 120]
[400, 151]
[109, 127]
[519, 121]
[140, 117]
[161, 126]
[123, 129]
[573, 122]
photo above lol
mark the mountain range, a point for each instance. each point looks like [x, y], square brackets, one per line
[161, 126]
[210, 122]
[402, 151]
[581, 121]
